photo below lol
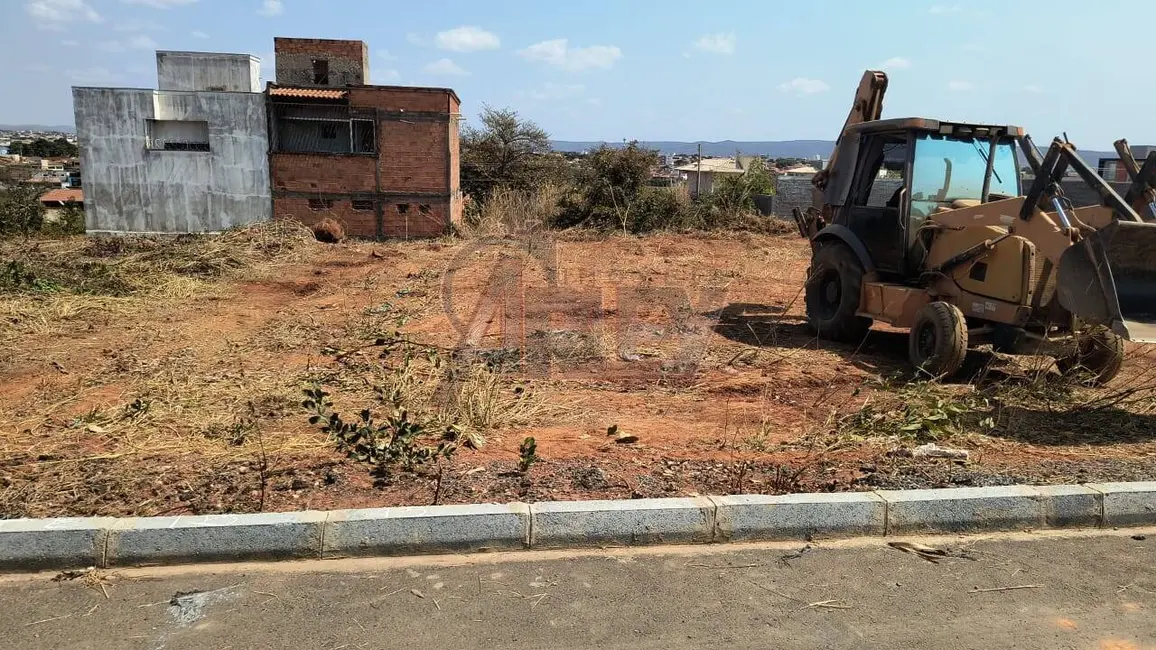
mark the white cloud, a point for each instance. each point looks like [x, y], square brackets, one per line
[1034, 89]
[444, 67]
[198, 34]
[719, 43]
[385, 77]
[138, 26]
[553, 91]
[467, 39]
[558, 53]
[896, 63]
[945, 9]
[95, 76]
[271, 8]
[70, 43]
[159, 4]
[804, 86]
[141, 42]
[414, 39]
[958, 86]
[53, 14]
[138, 42]
[974, 47]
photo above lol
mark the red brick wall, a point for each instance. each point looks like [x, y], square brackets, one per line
[357, 223]
[363, 223]
[413, 156]
[401, 99]
[322, 173]
[414, 223]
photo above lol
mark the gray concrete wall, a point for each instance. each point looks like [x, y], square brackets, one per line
[208, 71]
[129, 188]
[791, 192]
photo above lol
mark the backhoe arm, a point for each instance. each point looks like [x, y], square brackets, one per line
[867, 107]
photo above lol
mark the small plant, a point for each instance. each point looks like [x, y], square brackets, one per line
[527, 454]
[395, 441]
[135, 409]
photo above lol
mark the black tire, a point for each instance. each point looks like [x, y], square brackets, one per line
[834, 286]
[1098, 357]
[937, 345]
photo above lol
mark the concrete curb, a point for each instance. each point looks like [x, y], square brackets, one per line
[72, 542]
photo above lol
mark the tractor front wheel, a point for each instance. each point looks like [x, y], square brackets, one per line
[834, 286]
[938, 342]
[1098, 357]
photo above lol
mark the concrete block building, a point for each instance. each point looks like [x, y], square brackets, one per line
[208, 150]
[382, 160]
[189, 156]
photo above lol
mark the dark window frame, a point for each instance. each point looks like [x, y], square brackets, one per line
[321, 72]
[362, 205]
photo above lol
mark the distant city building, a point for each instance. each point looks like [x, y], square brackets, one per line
[1112, 169]
[56, 200]
[700, 175]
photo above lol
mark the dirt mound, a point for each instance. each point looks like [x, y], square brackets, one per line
[328, 231]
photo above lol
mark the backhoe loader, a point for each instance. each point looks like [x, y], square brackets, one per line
[927, 225]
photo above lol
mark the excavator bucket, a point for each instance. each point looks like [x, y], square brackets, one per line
[1109, 278]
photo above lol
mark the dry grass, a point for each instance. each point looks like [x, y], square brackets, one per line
[510, 212]
[47, 286]
[173, 403]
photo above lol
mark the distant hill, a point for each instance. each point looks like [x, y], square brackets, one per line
[774, 149]
[36, 127]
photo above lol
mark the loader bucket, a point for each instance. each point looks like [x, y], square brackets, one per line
[1109, 278]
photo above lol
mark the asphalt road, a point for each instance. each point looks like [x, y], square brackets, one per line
[1095, 591]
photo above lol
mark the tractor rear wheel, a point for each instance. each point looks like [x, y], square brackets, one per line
[938, 342]
[834, 286]
[1099, 356]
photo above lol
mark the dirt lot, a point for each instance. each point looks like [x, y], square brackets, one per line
[181, 394]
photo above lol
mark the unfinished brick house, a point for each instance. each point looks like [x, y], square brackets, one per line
[382, 160]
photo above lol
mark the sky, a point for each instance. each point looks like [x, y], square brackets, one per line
[628, 69]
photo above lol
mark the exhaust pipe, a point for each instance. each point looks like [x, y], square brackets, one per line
[1109, 279]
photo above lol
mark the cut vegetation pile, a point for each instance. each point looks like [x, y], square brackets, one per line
[45, 284]
[148, 376]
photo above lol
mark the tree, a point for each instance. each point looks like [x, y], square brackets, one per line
[609, 182]
[505, 150]
[736, 192]
[21, 211]
[45, 148]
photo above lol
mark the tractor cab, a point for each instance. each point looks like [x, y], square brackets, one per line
[891, 175]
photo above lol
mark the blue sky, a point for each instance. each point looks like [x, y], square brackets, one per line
[614, 69]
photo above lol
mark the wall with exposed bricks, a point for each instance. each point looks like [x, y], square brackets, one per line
[321, 173]
[348, 61]
[399, 218]
[414, 156]
[397, 98]
[416, 164]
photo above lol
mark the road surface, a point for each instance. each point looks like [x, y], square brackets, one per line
[1090, 590]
